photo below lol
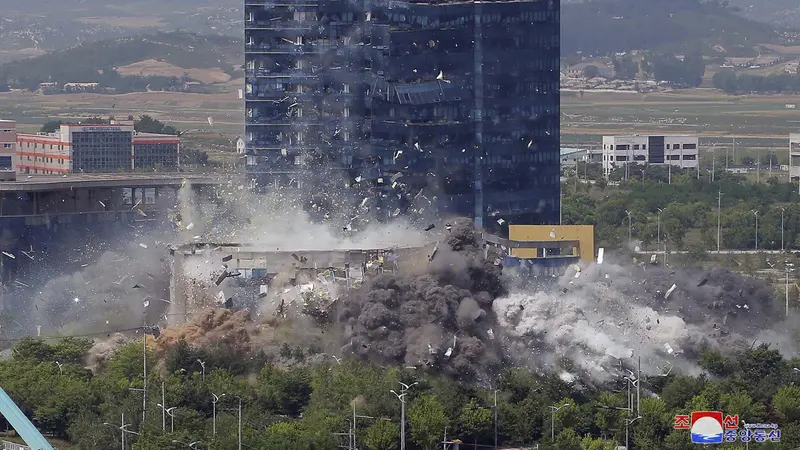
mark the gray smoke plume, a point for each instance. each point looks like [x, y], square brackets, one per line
[441, 319]
[610, 315]
[120, 289]
[591, 323]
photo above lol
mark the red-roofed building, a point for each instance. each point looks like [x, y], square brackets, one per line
[96, 148]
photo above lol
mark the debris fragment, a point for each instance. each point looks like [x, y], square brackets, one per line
[669, 291]
[430, 227]
[143, 245]
[10, 255]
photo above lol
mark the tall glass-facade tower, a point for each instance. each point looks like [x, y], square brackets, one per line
[459, 98]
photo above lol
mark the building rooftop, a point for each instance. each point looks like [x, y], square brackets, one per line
[31, 183]
[565, 151]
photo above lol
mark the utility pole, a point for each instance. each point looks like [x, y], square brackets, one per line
[402, 397]
[240, 423]
[630, 238]
[144, 373]
[495, 419]
[658, 228]
[628, 422]
[638, 383]
[163, 409]
[783, 210]
[553, 411]
[755, 213]
[214, 401]
[719, 216]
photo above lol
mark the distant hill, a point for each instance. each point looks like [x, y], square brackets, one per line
[54, 24]
[102, 61]
[605, 26]
[785, 13]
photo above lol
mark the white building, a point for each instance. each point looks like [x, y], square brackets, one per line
[794, 156]
[8, 144]
[676, 150]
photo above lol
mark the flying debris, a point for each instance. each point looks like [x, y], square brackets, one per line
[670, 291]
[430, 227]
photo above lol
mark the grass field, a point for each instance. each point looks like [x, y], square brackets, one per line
[756, 121]
[182, 110]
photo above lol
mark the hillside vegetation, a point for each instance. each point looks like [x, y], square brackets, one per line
[97, 61]
[55, 24]
[596, 28]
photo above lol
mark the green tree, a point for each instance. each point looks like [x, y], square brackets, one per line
[382, 435]
[568, 439]
[476, 420]
[787, 403]
[591, 71]
[428, 420]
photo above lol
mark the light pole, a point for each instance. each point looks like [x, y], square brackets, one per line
[214, 416]
[171, 414]
[495, 419]
[789, 268]
[553, 411]
[192, 445]
[658, 227]
[755, 213]
[783, 211]
[630, 238]
[167, 412]
[628, 422]
[402, 397]
[163, 410]
[203, 366]
[240, 422]
[719, 216]
[123, 429]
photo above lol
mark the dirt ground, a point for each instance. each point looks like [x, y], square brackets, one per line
[151, 67]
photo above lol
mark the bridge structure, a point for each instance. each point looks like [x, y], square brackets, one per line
[41, 212]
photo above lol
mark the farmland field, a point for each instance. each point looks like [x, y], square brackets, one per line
[756, 121]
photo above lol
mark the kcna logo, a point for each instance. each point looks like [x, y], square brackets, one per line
[709, 427]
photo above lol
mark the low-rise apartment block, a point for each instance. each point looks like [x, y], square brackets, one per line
[676, 150]
[104, 148]
[8, 144]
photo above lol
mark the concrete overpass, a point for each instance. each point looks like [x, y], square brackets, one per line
[51, 213]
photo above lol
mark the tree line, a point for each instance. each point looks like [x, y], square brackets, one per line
[290, 404]
[686, 206]
[731, 83]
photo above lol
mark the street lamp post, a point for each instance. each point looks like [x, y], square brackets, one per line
[658, 228]
[214, 414]
[719, 216]
[402, 397]
[192, 445]
[240, 422]
[630, 238]
[553, 411]
[789, 268]
[628, 422]
[755, 213]
[167, 412]
[203, 366]
[783, 211]
[123, 429]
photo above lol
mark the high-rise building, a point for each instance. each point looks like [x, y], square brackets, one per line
[459, 97]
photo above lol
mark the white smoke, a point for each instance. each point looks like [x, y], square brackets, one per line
[609, 316]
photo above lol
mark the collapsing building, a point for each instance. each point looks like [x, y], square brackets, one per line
[458, 98]
[235, 275]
